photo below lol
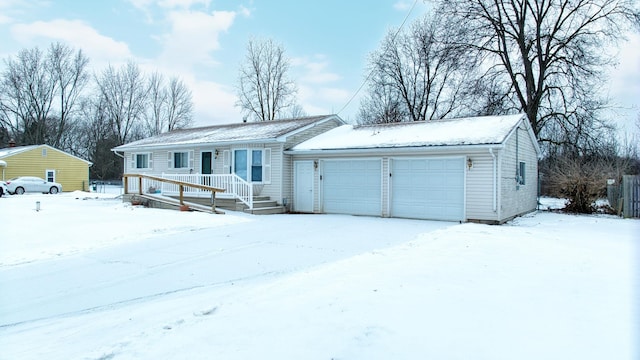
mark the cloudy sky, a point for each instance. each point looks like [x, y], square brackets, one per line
[204, 41]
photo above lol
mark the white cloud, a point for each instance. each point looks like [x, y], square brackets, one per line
[214, 103]
[5, 19]
[185, 4]
[99, 48]
[315, 71]
[194, 35]
[402, 5]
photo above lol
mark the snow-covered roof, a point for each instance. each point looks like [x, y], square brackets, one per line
[450, 132]
[15, 150]
[10, 151]
[228, 133]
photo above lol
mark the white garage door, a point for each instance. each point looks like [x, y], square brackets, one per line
[352, 187]
[428, 188]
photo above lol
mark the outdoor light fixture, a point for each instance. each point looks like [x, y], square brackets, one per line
[216, 153]
[469, 163]
[315, 164]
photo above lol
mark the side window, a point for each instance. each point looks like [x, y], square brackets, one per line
[256, 165]
[521, 172]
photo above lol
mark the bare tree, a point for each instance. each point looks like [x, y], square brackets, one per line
[179, 105]
[264, 89]
[31, 83]
[28, 90]
[157, 97]
[549, 52]
[170, 105]
[124, 95]
[416, 75]
[70, 73]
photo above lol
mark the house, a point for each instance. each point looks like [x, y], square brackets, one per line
[46, 162]
[245, 159]
[481, 169]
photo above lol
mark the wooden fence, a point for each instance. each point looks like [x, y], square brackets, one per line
[630, 196]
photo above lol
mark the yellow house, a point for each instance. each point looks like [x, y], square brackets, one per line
[46, 162]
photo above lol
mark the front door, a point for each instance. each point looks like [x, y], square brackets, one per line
[207, 162]
[303, 188]
[206, 166]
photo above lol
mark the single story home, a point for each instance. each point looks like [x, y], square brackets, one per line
[46, 162]
[481, 169]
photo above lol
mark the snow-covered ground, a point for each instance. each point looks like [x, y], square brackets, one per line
[88, 277]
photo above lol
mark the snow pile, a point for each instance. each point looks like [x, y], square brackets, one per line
[545, 286]
[59, 228]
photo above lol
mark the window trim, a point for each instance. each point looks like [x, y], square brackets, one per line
[171, 160]
[50, 171]
[265, 165]
[134, 161]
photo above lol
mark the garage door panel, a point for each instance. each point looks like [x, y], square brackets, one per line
[428, 188]
[352, 187]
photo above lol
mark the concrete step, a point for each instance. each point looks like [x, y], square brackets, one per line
[266, 210]
[264, 204]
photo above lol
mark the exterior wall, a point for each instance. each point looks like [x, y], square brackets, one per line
[518, 199]
[72, 173]
[481, 187]
[479, 180]
[287, 160]
[386, 198]
[286, 173]
[160, 164]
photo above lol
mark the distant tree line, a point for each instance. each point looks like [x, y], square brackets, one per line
[50, 97]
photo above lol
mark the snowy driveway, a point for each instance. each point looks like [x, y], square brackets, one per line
[256, 248]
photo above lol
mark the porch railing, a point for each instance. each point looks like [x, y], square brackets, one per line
[148, 184]
[234, 186]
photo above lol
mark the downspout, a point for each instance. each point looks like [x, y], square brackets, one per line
[495, 180]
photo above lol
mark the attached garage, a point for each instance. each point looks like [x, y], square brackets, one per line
[352, 187]
[481, 169]
[428, 188]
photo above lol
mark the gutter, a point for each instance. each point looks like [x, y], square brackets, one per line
[409, 150]
[495, 179]
[117, 153]
[192, 145]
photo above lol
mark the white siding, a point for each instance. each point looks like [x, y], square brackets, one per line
[518, 199]
[480, 188]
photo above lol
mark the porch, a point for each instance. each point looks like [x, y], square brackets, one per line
[237, 194]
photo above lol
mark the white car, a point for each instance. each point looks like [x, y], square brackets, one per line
[3, 189]
[23, 184]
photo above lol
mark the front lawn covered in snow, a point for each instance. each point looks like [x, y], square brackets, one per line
[88, 277]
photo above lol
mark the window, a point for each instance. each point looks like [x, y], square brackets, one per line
[180, 160]
[520, 176]
[240, 163]
[253, 165]
[141, 161]
[256, 165]
[50, 175]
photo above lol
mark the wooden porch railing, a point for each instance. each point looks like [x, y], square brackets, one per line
[154, 184]
[234, 186]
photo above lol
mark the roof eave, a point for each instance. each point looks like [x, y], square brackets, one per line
[283, 137]
[397, 150]
[151, 147]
